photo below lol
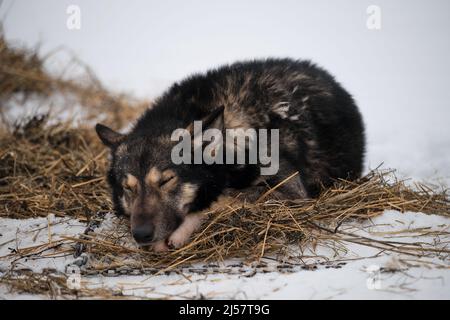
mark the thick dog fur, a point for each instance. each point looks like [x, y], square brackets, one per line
[320, 129]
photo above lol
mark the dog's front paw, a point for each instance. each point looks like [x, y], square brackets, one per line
[181, 235]
[178, 239]
[160, 246]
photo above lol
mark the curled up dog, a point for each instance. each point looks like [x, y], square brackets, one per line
[243, 128]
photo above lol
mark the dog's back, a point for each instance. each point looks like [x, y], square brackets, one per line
[321, 130]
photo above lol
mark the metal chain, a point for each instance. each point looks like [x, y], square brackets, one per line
[203, 270]
[81, 259]
[232, 269]
[93, 224]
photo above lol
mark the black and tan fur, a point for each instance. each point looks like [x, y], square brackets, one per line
[321, 136]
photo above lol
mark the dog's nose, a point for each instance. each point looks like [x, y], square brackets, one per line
[143, 234]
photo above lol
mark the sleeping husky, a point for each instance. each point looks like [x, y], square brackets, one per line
[319, 131]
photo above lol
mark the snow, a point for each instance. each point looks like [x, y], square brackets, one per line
[17, 234]
[399, 77]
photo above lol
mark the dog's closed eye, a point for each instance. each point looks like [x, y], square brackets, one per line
[168, 179]
[127, 188]
[130, 184]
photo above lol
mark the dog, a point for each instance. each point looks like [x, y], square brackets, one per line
[320, 135]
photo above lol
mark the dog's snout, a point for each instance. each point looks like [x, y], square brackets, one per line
[143, 234]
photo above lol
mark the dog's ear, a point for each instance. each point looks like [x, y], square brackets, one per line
[109, 137]
[214, 120]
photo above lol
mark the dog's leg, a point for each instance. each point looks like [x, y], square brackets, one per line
[182, 234]
[286, 186]
[290, 190]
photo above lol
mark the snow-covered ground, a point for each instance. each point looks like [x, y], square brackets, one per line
[356, 272]
[399, 76]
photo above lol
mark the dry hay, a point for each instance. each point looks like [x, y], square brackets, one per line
[252, 231]
[51, 169]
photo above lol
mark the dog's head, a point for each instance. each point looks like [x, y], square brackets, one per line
[150, 188]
